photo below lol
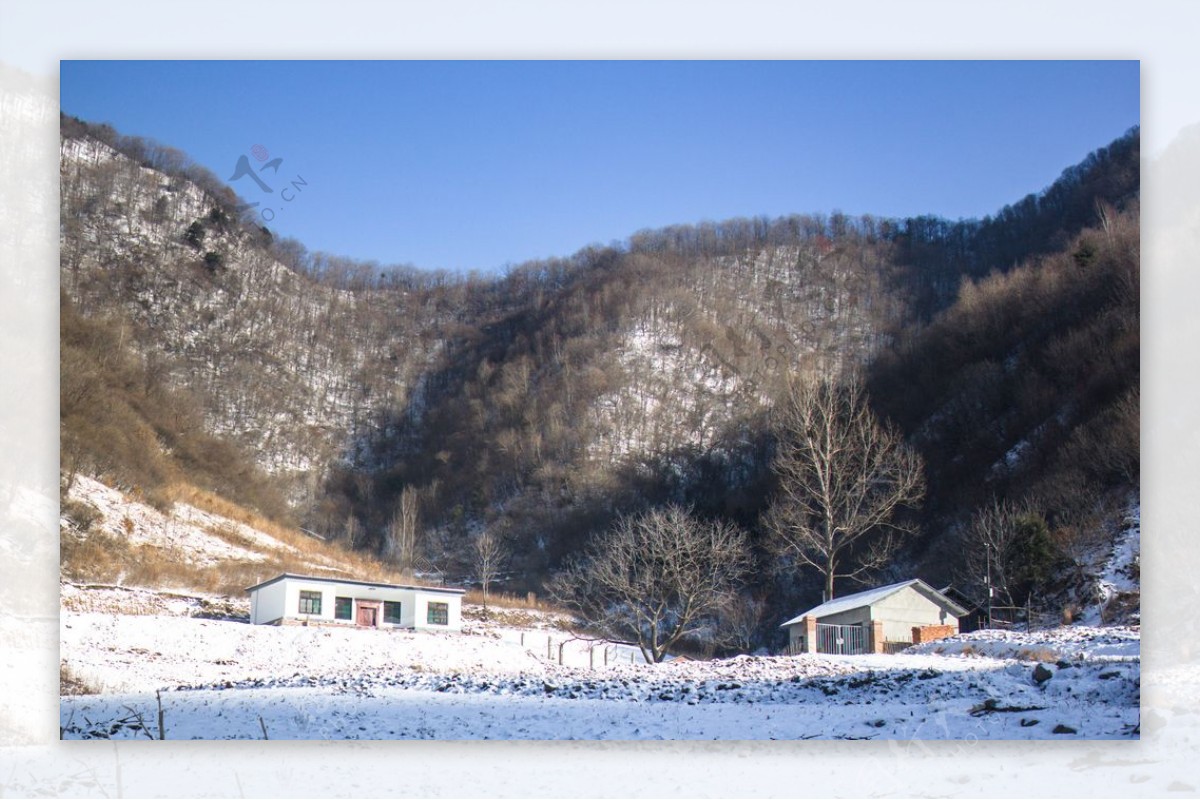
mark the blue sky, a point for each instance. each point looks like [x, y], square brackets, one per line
[475, 164]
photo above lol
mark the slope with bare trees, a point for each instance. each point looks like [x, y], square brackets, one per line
[414, 414]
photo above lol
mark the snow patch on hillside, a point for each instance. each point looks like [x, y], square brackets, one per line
[1123, 568]
[1117, 590]
[187, 531]
[672, 397]
[189, 536]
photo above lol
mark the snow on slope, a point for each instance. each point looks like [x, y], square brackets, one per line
[187, 530]
[188, 535]
[672, 397]
[310, 366]
[1119, 583]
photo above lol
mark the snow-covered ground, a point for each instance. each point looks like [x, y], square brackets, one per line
[224, 679]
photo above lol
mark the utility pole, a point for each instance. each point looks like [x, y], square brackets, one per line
[988, 550]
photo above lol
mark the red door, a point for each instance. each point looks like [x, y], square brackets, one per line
[367, 615]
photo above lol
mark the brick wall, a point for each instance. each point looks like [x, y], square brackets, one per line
[929, 633]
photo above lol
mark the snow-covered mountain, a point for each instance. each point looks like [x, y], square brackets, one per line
[291, 367]
[545, 402]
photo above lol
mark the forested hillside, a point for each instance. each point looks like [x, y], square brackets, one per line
[543, 403]
[1027, 388]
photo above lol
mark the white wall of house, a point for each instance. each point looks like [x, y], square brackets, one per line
[282, 599]
[907, 608]
[268, 603]
[422, 614]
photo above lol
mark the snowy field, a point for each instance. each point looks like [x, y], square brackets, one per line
[224, 679]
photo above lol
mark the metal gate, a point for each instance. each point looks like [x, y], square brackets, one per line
[842, 640]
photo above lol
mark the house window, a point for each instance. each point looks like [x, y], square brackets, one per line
[391, 612]
[310, 602]
[439, 614]
[343, 608]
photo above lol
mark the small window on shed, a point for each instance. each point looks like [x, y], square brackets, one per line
[439, 614]
[391, 612]
[310, 602]
[343, 608]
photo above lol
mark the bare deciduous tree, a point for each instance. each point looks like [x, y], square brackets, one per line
[657, 577]
[1005, 548]
[352, 532]
[400, 544]
[740, 621]
[491, 554]
[988, 543]
[843, 476]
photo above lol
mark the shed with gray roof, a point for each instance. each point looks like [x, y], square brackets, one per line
[887, 614]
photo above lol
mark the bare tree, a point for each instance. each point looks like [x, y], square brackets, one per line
[491, 554]
[988, 543]
[1006, 549]
[740, 621]
[400, 544]
[352, 532]
[843, 476]
[657, 576]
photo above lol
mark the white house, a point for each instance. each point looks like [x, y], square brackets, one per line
[867, 622]
[303, 599]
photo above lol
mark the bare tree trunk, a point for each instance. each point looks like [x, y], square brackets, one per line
[491, 552]
[401, 544]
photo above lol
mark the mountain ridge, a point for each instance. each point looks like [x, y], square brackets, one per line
[545, 401]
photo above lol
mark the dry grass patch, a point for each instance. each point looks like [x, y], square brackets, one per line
[100, 557]
[497, 600]
[1041, 654]
[232, 536]
[70, 684]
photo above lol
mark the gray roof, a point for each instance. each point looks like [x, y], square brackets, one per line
[872, 596]
[281, 576]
